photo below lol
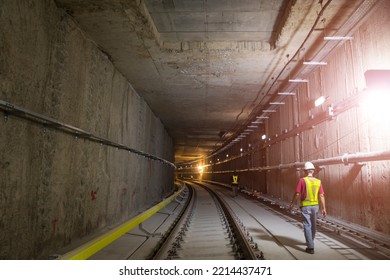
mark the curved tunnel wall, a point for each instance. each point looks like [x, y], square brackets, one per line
[355, 193]
[56, 188]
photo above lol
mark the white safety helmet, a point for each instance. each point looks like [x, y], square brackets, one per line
[309, 166]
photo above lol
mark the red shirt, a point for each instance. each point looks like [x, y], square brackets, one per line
[301, 188]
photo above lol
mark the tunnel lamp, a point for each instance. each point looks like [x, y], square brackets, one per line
[269, 111]
[241, 150]
[376, 111]
[262, 117]
[286, 93]
[377, 101]
[253, 126]
[298, 81]
[263, 136]
[277, 103]
[378, 80]
[314, 63]
[319, 101]
[227, 155]
[375, 105]
[200, 168]
[337, 38]
[257, 122]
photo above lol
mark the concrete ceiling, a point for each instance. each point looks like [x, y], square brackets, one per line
[206, 67]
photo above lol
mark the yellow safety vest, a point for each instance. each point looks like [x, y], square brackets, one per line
[312, 188]
[235, 180]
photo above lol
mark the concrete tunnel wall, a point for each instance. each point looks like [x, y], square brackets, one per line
[56, 189]
[355, 193]
[358, 194]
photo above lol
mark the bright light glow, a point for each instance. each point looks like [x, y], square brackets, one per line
[269, 111]
[337, 38]
[298, 81]
[319, 101]
[241, 150]
[263, 136]
[277, 103]
[286, 93]
[314, 63]
[253, 126]
[227, 155]
[200, 168]
[262, 117]
[376, 106]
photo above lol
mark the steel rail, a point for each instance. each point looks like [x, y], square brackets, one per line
[168, 239]
[171, 246]
[249, 254]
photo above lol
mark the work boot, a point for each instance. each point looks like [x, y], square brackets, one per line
[310, 250]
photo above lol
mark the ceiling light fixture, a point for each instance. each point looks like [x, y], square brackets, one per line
[286, 93]
[298, 81]
[315, 63]
[337, 38]
[277, 103]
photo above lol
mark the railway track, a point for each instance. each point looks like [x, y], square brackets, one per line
[207, 223]
[207, 229]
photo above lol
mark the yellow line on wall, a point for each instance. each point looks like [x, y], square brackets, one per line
[88, 249]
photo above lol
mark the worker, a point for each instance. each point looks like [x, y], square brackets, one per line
[235, 183]
[312, 196]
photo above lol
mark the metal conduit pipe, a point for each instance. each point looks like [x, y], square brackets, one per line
[356, 158]
[344, 159]
[11, 109]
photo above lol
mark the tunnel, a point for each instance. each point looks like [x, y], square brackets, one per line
[106, 104]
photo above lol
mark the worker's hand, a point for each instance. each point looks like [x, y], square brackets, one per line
[324, 213]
